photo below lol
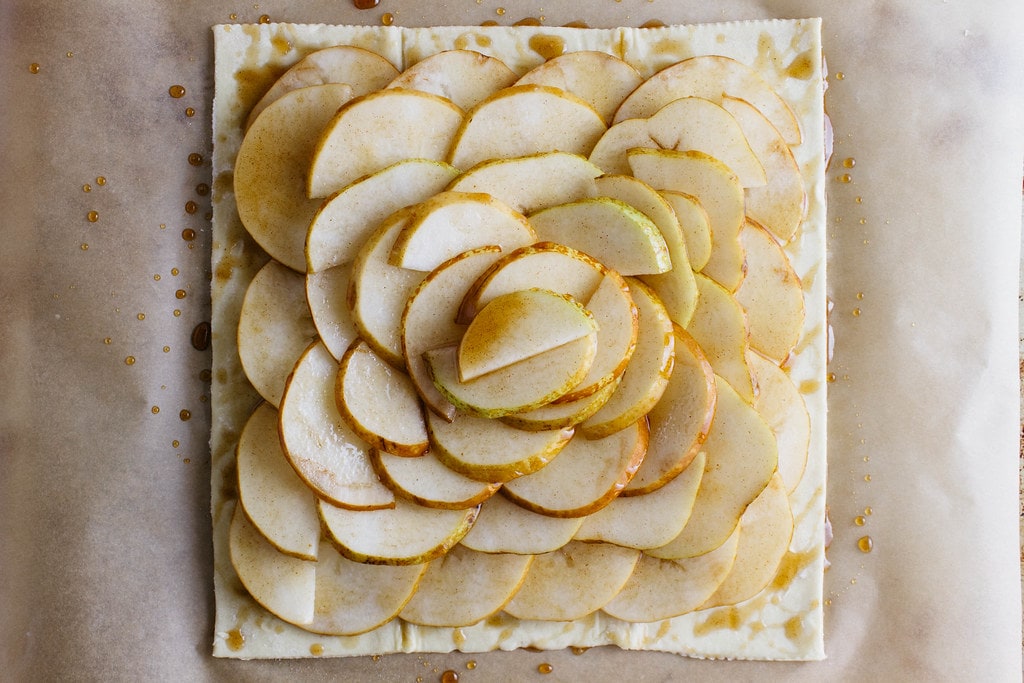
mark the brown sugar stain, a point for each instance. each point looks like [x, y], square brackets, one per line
[802, 66]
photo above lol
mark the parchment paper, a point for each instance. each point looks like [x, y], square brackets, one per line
[105, 557]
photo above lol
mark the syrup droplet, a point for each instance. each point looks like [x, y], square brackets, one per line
[845, 178]
[185, 415]
[849, 162]
[191, 207]
[316, 649]
[174, 271]
[201, 336]
[831, 377]
[545, 668]
[653, 23]
[489, 22]
[387, 19]
[167, 349]
[190, 112]
[175, 443]
[471, 664]
[188, 234]
[87, 188]
[155, 409]
[232, 16]
[868, 511]
[107, 340]
[365, 4]
[450, 676]
[176, 91]
[180, 294]
[500, 11]
[856, 312]
[157, 277]
[577, 650]
[130, 360]
[84, 247]
[859, 200]
[860, 296]
[202, 189]
[865, 544]
[141, 316]
[69, 54]
[577, 24]
[528, 21]
[195, 158]
[264, 19]
[177, 312]
[92, 216]
[867, 477]
[33, 68]
[859, 521]
[101, 181]
[840, 75]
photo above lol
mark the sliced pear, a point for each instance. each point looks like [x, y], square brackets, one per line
[427, 482]
[610, 151]
[462, 76]
[573, 581]
[379, 404]
[650, 520]
[765, 531]
[361, 70]
[283, 584]
[719, 192]
[710, 77]
[327, 295]
[523, 386]
[779, 402]
[771, 295]
[681, 420]
[780, 205]
[523, 120]
[741, 459]
[349, 217]
[695, 226]
[491, 451]
[676, 288]
[380, 129]
[524, 183]
[380, 291]
[402, 535]
[274, 327]
[613, 232]
[520, 325]
[504, 527]
[719, 327]
[450, 223]
[700, 124]
[353, 598]
[277, 502]
[600, 79]
[270, 170]
[325, 452]
[559, 415]
[649, 369]
[585, 477]
[545, 265]
[662, 589]
[465, 587]
[428, 320]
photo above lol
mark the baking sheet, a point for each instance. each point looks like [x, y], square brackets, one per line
[104, 519]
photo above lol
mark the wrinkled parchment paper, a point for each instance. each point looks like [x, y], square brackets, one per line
[105, 555]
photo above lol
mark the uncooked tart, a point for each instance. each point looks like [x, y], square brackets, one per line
[649, 474]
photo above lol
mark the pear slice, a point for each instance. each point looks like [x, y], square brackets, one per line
[524, 183]
[719, 192]
[662, 589]
[402, 535]
[780, 205]
[428, 320]
[765, 531]
[327, 294]
[450, 223]
[600, 79]
[585, 477]
[741, 459]
[558, 415]
[380, 405]
[465, 587]
[489, 450]
[676, 288]
[681, 420]
[328, 456]
[719, 327]
[270, 170]
[523, 120]
[426, 481]
[353, 597]
[349, 217]
[779, 402]
[771, 295]
[610, 151]
[380, 291]
[504, 527]
[613, 232]
[522, 386]
[695, 226]
[283, 584]
[573, 581]
[380, 129]
[710, 77]
[696, 123]
[650, 520]
[275, 500]
[462, 76]
[520, 325]
[361, 70]
[648, 372]
[545, 265]
[274, 327]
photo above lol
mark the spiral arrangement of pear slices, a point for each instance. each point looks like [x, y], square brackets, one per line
[520, 340]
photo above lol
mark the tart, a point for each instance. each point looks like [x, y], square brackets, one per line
[519, 339]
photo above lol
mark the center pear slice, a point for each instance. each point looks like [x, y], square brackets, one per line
[520, 325]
